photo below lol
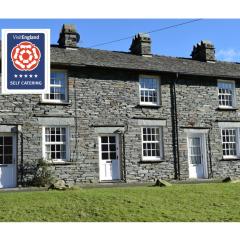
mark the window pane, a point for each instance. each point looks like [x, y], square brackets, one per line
[104, 147]
[53, 156]
[7, 159]
[7, 140]
[47, 138]
[58, 147]
[113, 155]
[58, 131]
[52, 130]
[63, 130]
[7, 149]
[63, 147]
[63, 138]
[53, 138]
[112, 147]
[112, 139]
[142, 83]
[48, 147]
[104, 139]
[104, 156]
[48, 155]
[63, 155]
[58, 138]
[58, 155]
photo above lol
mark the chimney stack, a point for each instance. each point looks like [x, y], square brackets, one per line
[204, 51]
[141, 45]
[68, 36]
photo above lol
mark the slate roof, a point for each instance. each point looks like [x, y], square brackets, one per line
[126, 60]
[156, 63]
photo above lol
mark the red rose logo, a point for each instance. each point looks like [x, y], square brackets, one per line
[25, 56]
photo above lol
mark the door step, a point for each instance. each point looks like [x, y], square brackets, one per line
[111, 181]
[196, 181]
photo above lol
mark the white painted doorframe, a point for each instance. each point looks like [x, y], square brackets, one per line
[203, 153]
[112, 176]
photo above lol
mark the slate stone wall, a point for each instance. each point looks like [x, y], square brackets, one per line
[110, 98]
[197, 107]
[102, 98]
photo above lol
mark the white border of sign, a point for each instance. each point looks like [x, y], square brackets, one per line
[5, 90]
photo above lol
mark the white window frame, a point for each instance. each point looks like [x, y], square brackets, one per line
[65, 86]
[158, 90]
[233, 97]
[237, 143]
[150, 158]
[67, 144]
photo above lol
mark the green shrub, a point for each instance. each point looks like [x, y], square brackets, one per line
[43, 175]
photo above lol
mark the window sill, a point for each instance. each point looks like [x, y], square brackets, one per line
[148, 106]
[226, 109]
[230, 159]
[54, 103]
[60, 163]
[151, 161]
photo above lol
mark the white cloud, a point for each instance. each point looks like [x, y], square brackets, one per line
[229, 55]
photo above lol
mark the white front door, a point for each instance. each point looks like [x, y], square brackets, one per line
[109, 157]
[197, 158]
[7, 161]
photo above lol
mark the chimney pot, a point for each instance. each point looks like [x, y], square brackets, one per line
[204, 51]
[68, 37]
[141, 44]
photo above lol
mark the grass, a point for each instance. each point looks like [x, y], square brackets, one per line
[182, 202]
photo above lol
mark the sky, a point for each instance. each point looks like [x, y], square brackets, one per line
[176, 42]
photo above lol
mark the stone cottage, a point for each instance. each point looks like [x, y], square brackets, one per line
[125, 116]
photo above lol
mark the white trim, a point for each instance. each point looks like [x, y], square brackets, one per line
[5, 90]
[67, 144]
[234, 103]
[44, 100]
[158, 90]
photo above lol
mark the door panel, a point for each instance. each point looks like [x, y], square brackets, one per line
[7, 161]
[197, 156]
[109, 157]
